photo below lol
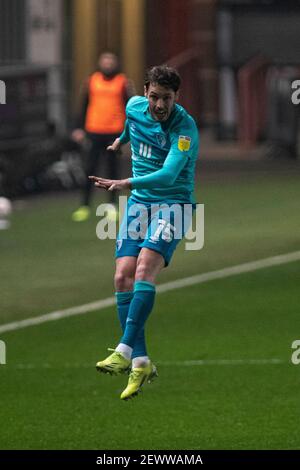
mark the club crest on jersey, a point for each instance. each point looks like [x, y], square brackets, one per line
[161, 140]
[184, 143]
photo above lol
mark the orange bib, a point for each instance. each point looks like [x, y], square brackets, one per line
[106, 108]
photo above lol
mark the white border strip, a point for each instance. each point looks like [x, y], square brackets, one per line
[187, 281]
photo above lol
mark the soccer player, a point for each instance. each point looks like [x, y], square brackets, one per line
[165, 144]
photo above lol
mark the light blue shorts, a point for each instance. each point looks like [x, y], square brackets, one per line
[159, 227]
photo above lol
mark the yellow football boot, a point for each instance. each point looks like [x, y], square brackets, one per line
[137, 377]
[114, 364]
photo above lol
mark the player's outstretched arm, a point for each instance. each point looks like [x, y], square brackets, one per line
[110, 185]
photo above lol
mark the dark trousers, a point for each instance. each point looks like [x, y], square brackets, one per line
[96, 154]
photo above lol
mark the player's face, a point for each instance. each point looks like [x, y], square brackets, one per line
[161, 101]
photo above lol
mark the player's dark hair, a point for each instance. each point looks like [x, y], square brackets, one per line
[163, 75]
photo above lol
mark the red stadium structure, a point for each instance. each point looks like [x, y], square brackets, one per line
[252, 92]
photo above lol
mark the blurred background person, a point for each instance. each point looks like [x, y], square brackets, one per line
[100, 121]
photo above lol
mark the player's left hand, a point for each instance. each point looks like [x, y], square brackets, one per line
[110, 185]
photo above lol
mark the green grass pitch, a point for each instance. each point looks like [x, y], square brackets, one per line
[51, 395]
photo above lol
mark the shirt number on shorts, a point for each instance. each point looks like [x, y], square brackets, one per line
[165, 230]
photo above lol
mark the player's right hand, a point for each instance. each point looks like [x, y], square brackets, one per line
[78, 135]
[115, 146]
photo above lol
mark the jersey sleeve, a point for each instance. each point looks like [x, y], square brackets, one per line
[183, 142]
[125, 136]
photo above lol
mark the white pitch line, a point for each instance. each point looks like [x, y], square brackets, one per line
[167, 286]
[69, 312]
[192, 363]
[221, 362]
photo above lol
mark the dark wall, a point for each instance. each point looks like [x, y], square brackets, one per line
[167, 29]
[270, 28]
[276, 35]
[12, 31]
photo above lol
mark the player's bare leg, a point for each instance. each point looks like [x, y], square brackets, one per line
[149, 265]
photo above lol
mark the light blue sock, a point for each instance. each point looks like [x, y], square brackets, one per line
[123, 304]
[139, 310]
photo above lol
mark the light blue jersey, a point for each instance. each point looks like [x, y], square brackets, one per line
[164, 154]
